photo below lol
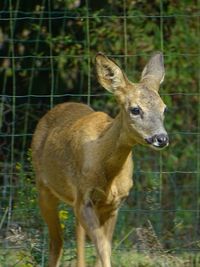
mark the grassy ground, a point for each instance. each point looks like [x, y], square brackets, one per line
[23, 258]
[31, 250]
[27, 249]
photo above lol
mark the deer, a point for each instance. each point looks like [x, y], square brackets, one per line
[84, 157]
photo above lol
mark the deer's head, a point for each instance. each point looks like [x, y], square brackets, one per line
[142, 108]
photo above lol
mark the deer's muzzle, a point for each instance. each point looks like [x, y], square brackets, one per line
[158, 140]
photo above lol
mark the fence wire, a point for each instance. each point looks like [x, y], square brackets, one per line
[47, 52]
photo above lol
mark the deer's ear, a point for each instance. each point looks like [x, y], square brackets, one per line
[154, 71]
[109, 74]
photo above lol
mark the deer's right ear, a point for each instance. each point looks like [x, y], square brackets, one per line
[154, 71]
[109, 74]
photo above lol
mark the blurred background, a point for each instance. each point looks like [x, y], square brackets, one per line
[47, 51]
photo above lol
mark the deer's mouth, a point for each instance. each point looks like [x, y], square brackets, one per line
[158, 148]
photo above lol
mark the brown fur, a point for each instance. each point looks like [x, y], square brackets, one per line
[84, 158]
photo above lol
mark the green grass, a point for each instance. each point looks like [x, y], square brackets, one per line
[17, 258]
[120, 258]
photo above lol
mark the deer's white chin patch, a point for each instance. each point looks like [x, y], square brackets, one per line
[156, 146]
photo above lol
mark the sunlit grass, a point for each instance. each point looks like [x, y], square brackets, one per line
[120, 258]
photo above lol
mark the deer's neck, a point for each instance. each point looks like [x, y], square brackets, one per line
[117, 147]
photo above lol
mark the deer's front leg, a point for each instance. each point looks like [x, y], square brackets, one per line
[108, 228]
[90, 221]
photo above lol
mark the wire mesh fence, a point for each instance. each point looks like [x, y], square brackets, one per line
[46, 57]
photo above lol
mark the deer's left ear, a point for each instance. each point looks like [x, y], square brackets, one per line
[154, 72]
[109, 74]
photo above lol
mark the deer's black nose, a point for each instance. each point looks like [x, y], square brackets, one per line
[162, 140]
[158, 140]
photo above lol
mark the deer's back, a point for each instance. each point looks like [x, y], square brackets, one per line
[62, 115]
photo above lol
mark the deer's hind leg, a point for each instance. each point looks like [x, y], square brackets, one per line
[48, 204]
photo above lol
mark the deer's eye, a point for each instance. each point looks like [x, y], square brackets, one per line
[135, 111]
